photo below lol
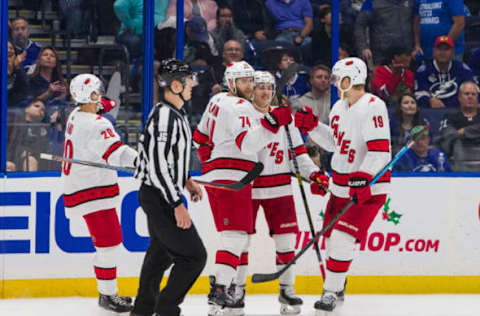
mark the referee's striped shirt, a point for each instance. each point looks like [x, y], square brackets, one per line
[164, 152]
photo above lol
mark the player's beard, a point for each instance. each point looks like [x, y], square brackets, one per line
[246, 94]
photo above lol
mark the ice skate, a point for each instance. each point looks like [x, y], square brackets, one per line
[289, 303]
[238, 294]
[115, 303]
[218, 299]
[327, 302]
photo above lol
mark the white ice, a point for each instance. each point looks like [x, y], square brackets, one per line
[259, 305]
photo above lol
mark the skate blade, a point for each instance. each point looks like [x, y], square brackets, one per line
[290, 309]
[215, 310]
[234, 312]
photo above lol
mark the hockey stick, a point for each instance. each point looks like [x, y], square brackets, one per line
[264, 277]
[236, 186]
[86, 163]
[286, 76]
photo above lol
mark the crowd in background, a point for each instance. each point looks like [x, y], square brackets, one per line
[423, 58]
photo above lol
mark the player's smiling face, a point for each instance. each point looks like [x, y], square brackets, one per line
[263, 94]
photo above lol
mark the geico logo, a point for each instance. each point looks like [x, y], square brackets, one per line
[44, 239]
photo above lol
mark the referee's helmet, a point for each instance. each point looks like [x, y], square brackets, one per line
[174, 69]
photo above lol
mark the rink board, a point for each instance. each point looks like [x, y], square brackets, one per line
[424, 241]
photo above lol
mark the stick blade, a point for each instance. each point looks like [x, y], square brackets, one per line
[264, 277]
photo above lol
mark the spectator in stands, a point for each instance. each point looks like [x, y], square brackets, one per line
[406, 116]
[29, 138]
[232, 51]
[20, 37]
[433, 18]
[421, 158]
[344, 51]
[130, 14]
[474, 63]
[293, 22]
[226, 29]
[17, 79]
[322, 38]
[393, 79]
[297, 86]
[318, 99]
[199, 45]
[204, 8]
[388, 22]
[437, 81]
[252, 17]
[46, 81]
[460, 132]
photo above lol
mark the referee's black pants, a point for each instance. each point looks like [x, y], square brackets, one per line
[169, 245]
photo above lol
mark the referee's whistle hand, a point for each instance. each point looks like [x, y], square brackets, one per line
[182, 217]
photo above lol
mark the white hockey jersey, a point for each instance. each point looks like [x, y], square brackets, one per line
[275, 179]
[86, 189]
[228, 124]
[359, 137]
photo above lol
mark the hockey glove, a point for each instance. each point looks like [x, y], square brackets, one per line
[359, 188]
[204, 152]
[279, 116]
[107, 105]
[319, 183]
[305, 120]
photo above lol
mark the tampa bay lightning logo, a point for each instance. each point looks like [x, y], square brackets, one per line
[426, 167]
[444, 90]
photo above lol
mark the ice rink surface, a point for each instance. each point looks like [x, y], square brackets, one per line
[266, 305]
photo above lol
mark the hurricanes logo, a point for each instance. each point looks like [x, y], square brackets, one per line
[390, 215]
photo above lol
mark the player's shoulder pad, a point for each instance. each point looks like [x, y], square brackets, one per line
[375, 102]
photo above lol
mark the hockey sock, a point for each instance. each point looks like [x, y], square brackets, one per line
[228, 256]
[285, 245]
[242, 269]
[105, 266]
[340, 250]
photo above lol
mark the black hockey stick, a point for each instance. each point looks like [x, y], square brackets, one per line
[286, 76]
[86, 163]
[236, 186]
[265, 277]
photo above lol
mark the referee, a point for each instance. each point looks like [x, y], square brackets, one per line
[164, 159]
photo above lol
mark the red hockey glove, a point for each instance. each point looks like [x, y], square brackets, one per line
[279, 116]
[107, 105]
[358, 183]
[305, 120]
[319, 183]
[204, 152]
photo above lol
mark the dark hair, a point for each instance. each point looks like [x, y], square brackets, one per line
[35, 100]
[319, 67]
[57, 71]
[324, 12]
[223, 7]
[18, 18]
[395, 50]
[398, 112]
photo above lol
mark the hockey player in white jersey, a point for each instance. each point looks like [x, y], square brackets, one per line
[229, 139]
[272, 191]
[90, 192]
[359, 136]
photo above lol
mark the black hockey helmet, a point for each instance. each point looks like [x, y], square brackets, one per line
[173, 69]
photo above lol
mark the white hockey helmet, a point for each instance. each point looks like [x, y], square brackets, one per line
[351, 67]
[264, 77]
[82, 87]
[235, 70]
